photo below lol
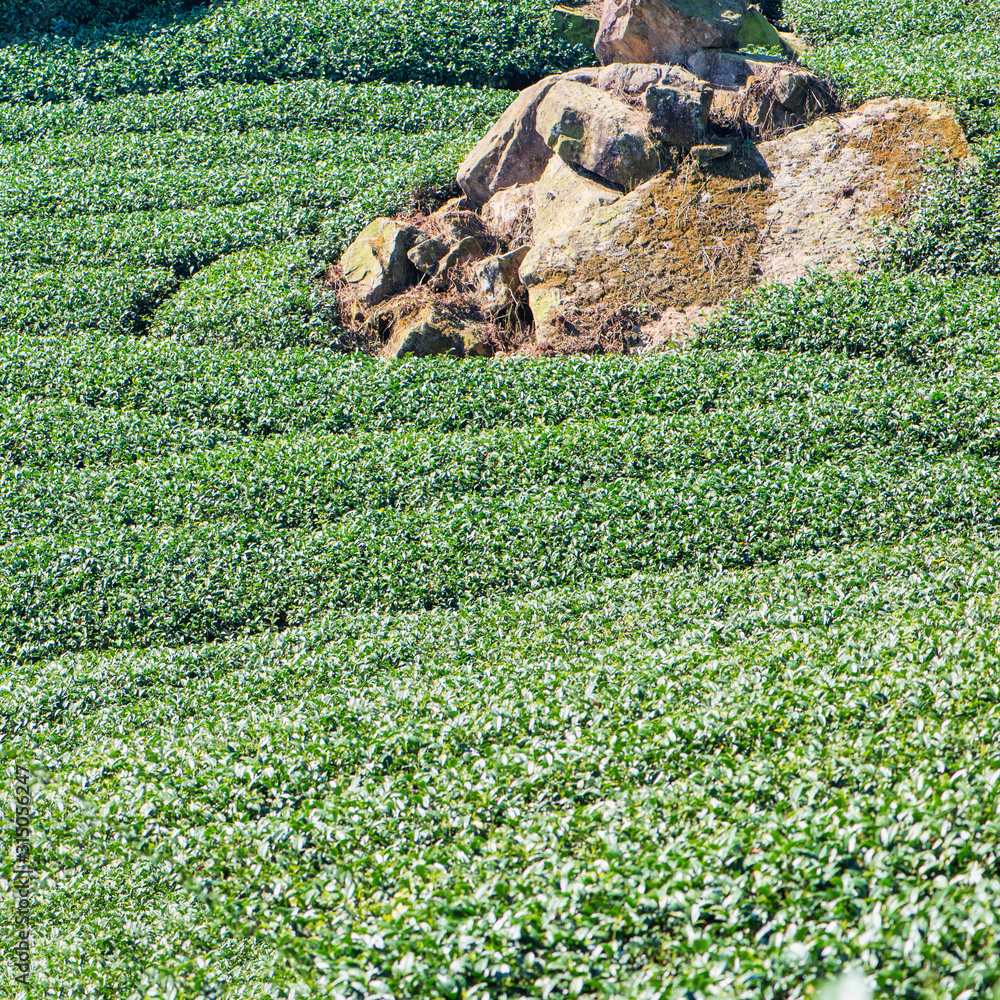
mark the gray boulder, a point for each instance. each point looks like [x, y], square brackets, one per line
[589, 129]
[512, 152]
[376, 265]
[427, 255]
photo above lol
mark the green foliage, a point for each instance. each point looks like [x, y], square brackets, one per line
[822, 20]
[206, 544]
[97, 197]
[916, 318]
[657, 678]
[308, 105]
[487, 43]
[64, 16]
[953, 228]
[67, 300]
[731, 785]
[259, 298]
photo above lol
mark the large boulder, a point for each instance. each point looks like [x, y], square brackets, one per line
[663, 244]
[590, 129]
[804, 200]
[376, 265]
[512, 152]
[665, 31]
[832, 179]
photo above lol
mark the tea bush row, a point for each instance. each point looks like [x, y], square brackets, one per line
[308, 480]
[76, 402]
[196, 571]
[914, 317]
[481, 799]
[434, 41]
[69, 177]
[19, 17]
[361, 109]
[961, 68]
[84, 219]
[888, 20]
[258, 298]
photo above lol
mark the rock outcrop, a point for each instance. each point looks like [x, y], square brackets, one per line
[564, 199]
[767, 212]
[634, 198]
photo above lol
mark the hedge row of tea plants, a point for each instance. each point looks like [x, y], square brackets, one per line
[581, 678]
[448, 42]
[889, 20]
[919, 318]
[731, 785]
[213, 531]
[303, 106]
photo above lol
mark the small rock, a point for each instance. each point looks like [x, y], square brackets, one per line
[679, 114]
[376, 264]
[495, 279]
[707, 153]
[590, 129]
[464, 249]
[665, 31]
[431, 332]
[427, 255]
[473, 346]
[455, 223]
[758, 32]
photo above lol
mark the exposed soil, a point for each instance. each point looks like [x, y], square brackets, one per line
[902, 144]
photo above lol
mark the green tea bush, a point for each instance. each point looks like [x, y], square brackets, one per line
[308, 105]
[913, 317]
[64, 398]
[433, 41]
[734, 785]
[89, 209]
[953, 227]
[205, 546]
[61, 180]
[64, 16]
[602, 678]
[822, 20]
[64, 301]
[258, 298]
[961, 68]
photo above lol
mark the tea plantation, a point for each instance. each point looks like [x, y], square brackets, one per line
[604, 677]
